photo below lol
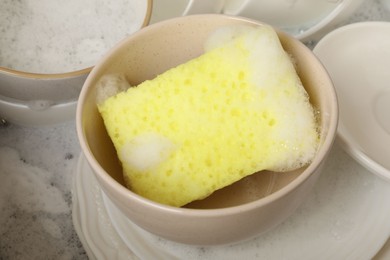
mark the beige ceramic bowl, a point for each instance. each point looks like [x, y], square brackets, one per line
[32, 94]
[243, 210]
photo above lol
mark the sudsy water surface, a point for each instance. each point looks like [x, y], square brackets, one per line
[52, 36]
[35, 195]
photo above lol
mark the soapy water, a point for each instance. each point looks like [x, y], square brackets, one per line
[51, 36]
[28, 204]
[35, 171]
[29, 185]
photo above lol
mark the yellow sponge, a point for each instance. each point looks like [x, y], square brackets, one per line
[237, 109]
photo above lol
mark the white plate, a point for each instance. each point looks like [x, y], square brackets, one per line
[90, 218]
[347, 216]
[357, 57]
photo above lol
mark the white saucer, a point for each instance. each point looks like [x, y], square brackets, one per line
[347, 216]
[357, 57]
[90, 218]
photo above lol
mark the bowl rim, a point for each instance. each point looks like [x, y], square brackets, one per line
[69, 74]
[127, 194]
[352, 147]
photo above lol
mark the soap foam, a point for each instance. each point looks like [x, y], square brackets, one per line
[61, 36]
[28, 201]
[146, 151]
[110, 85]
[35, 197]
[34, 191]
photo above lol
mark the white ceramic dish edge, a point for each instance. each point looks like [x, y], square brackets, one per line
[358, 32]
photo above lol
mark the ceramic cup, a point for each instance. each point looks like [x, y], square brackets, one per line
[231, 214]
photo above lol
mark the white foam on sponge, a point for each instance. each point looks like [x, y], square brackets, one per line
[146, 151]
[109, 85]
[224, 35]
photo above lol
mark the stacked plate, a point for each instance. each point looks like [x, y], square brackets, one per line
[357, 57]
[336, 222]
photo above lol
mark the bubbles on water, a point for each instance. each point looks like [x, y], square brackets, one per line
[62, 36]
[34, 213]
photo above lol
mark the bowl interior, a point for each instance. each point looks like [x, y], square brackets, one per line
[161, 46]
[61, 37]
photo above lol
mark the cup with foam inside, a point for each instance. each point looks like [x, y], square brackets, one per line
[171, 140]
[238, 109]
